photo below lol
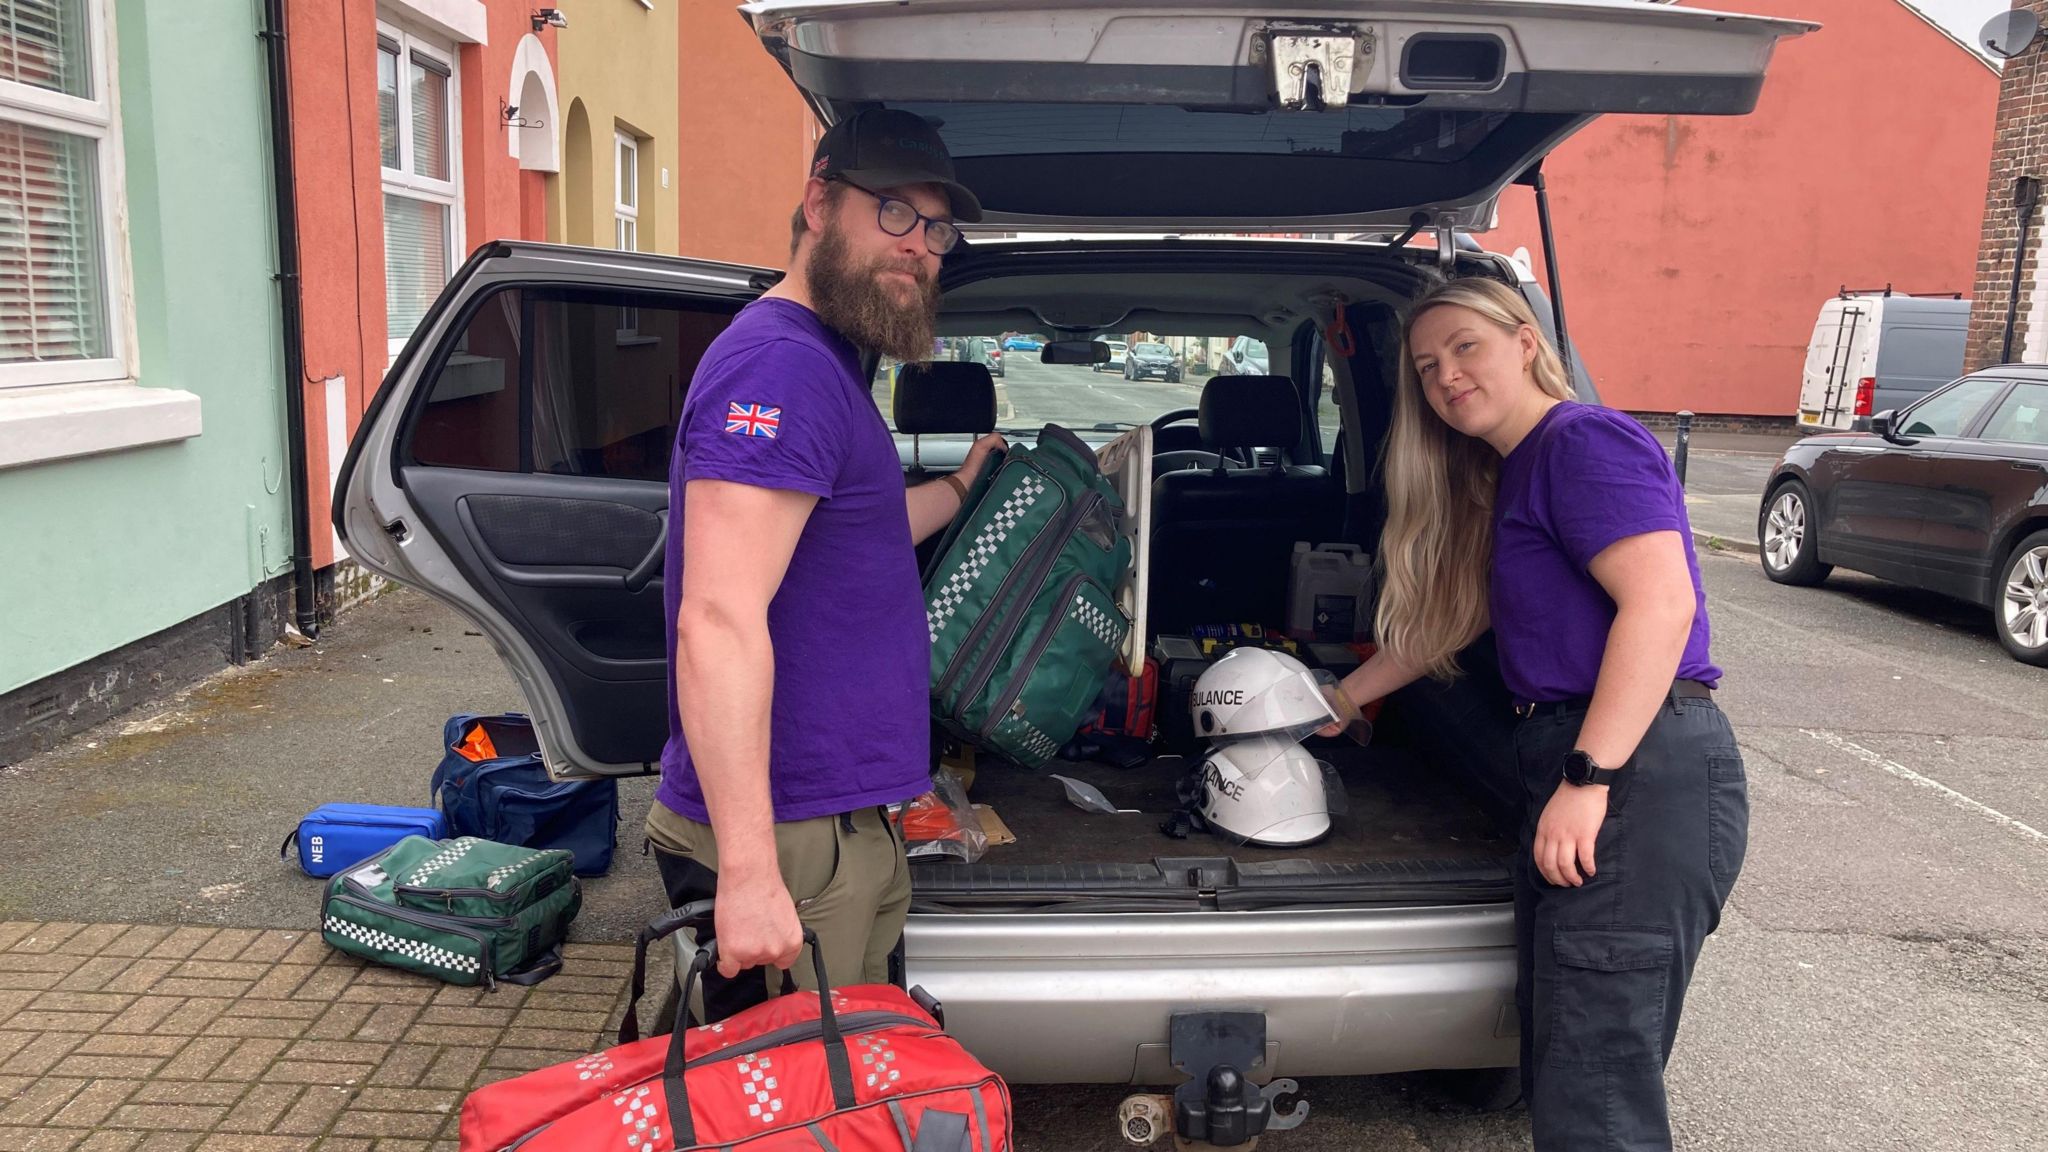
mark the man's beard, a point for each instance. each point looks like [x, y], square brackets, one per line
[851, 301]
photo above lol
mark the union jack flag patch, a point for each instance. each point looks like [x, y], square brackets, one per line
[752, 419]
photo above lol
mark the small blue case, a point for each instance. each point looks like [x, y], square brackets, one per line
[334, 836]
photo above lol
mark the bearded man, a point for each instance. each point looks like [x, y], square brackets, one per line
[799, 657]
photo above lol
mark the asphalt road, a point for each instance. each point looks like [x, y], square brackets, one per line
[1031, 394]
[1880, 981]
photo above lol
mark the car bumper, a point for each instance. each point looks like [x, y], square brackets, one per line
[1088, 998]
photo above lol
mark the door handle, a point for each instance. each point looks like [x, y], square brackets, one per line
[650, 563]
[2028, 466]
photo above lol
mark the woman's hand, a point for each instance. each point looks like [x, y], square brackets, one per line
[1566, 831]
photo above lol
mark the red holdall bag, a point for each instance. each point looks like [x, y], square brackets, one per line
[1128, 705]
[859, 1069]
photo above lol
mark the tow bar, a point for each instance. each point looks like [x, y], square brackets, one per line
[1218, 1106]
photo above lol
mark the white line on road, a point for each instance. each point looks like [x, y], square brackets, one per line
[1954, 797]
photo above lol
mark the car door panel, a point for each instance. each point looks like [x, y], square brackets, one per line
[517, 472]
[1866, 496]
[1989, 484]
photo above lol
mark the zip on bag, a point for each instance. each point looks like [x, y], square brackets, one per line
[1039, 644]
[957, 665]
[486, 955]
[1056, 543]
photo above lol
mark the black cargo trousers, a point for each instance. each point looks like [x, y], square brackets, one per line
[1604, 967]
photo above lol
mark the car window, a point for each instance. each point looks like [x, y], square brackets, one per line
[1329, 415]
[2022, 417]
[556, 381]
[1103, 397]
[1948, 413]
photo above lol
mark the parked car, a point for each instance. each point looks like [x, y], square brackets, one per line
[1949, 494]
[1080, 953]
[1871, 351]
[985, 351]
[1148, 360]
[1118, 349]
[1022, 344]
[1244, 357]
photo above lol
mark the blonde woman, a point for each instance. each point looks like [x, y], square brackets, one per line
[1562, 527]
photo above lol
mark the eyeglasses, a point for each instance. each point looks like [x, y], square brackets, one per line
[898, 217]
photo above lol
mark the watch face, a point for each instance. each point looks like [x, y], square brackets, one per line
[1578, 767]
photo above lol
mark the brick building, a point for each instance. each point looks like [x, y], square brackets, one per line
[2019, 148]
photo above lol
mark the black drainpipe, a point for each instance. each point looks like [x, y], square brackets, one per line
[283, 176]
[2025, 191]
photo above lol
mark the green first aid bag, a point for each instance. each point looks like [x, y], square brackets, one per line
[1021, 600]
[468, 911]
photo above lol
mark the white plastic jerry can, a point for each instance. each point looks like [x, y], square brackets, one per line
[1330, 593]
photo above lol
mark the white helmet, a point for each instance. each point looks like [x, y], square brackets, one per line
[1269, 793]
[1256, 692]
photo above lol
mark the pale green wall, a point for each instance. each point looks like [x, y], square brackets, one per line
[100, 551]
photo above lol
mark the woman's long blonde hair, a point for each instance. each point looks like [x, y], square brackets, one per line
[1438, 542]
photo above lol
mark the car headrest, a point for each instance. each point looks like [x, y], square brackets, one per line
[945, 396]
[1250, 412]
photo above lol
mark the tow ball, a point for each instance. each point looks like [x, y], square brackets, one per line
[1218, 1106]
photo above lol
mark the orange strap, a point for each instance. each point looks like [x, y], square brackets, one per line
[1337, 334]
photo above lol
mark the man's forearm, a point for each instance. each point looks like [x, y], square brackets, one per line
[725, 688]
[931, 506]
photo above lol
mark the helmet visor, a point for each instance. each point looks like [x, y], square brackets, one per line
[1289, 710]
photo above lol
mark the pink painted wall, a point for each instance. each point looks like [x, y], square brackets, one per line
[1696, 251]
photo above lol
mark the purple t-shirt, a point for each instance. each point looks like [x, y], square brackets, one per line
[779, 402]
[1585, 477]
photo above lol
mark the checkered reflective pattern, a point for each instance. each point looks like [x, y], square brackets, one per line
[456, 850]
[639, 1117]
[1108, 629]
[759, 1087]
[505, 872]
[420, 951]
[1029, 739]
[594, 1067]
[877, 1062]
[953, 593]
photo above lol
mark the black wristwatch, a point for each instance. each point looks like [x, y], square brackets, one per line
[1579, 768]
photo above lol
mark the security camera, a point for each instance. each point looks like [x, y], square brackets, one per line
[549, 17]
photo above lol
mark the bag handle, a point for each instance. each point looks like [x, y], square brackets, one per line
[839, 1065]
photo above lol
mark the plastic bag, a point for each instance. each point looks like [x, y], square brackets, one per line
[941, 824]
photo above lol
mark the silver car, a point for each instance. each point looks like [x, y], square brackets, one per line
[514, 467]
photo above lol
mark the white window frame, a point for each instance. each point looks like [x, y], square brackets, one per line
[403, 181]
[623, 213]
[622, 182]
[97, 119]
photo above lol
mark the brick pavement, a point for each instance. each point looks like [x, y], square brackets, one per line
[145, 1038]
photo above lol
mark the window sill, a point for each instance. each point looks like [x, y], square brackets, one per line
[59, 422]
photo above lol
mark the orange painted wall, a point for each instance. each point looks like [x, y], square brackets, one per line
[333, 51]
[1696, 251]
[746, 142]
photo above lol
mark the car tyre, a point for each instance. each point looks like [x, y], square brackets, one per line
[2020, 610]
[1786, 539]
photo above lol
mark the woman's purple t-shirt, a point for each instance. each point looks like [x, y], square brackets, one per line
[779, 402]
[1585, 477]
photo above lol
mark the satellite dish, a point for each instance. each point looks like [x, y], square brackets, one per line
[2009, 33]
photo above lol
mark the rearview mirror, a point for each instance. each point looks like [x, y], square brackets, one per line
[1881, 424]
[1075, 352]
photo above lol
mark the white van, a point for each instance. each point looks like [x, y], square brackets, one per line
[1872, 351]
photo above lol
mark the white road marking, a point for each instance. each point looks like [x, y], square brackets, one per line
[1840, 744]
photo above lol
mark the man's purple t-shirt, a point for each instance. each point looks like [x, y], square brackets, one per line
[779, 402]
[1585, 477]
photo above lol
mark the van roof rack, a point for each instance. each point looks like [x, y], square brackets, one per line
[1887, 291]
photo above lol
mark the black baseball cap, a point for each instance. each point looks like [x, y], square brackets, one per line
[879, 148]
